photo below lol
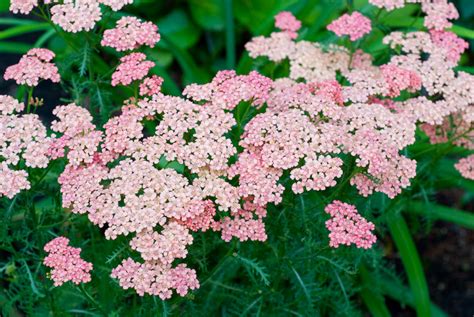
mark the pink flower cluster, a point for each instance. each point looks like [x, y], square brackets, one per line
[354, 25]
[132, 67]
[23, 138]
[438, 12]
[465, 166]
[130, 33]
[347, 227]
[66, 262]
[287, 22]
[72, 15]
[33, 66]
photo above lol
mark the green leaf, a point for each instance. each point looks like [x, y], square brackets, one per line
[14, 47]
[23, 29]
[254, 267]
[411, 261]
[435, 211]
[179, 29]
[209, 14]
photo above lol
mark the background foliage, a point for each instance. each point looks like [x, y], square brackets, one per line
[295, 272]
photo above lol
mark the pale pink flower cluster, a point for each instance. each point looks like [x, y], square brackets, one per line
[132, 67]
[34, 65]
[22, 138]
[287, 22]
[72, 15]
[354, 25]
[79, 137]
[131, 33]
[347, 227]
[438, 12]
[66, 262]
[154, 279]
[465, 166]
[151, 86]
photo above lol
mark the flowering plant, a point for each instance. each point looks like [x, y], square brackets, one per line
[274, 181]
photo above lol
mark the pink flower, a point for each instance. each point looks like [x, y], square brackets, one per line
[438, 14]
[465, 166]
[156, 279]
[354, 25]
[130, 33]
[33, 66]
[454, 45]
[132, 67]
[287, 22]
[76, 16]
[66, 262]
[346, 226]
[151, 86]
[22, 6]
[12, 181]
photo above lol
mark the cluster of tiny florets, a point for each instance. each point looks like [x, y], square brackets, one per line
[72, 15]
[131, 33]
[347, 227]
[23, 138]
[465, 166]
[354, 25]
[34, 65]
[132, 67]
[66, 262]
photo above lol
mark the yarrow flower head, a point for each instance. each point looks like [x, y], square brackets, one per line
[151, 86]
[22, 137]
[131, 33]
[33, 66]
[287, 22]
[66, 262]
[72, 15]
[132, 67]
[354, 25]
[346, 226]
[465, 166]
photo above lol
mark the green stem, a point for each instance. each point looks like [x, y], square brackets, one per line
[435, 211]
[230, 36]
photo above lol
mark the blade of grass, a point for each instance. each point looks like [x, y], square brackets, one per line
[22, 29]
[229, 34]
[411, 261]
[374, 301]
[435, 211]
[14, 21]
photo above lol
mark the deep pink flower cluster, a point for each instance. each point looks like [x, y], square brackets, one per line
[33, 66]
[130, 33]
[346, 226]
[66, 262]
[354, 25]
